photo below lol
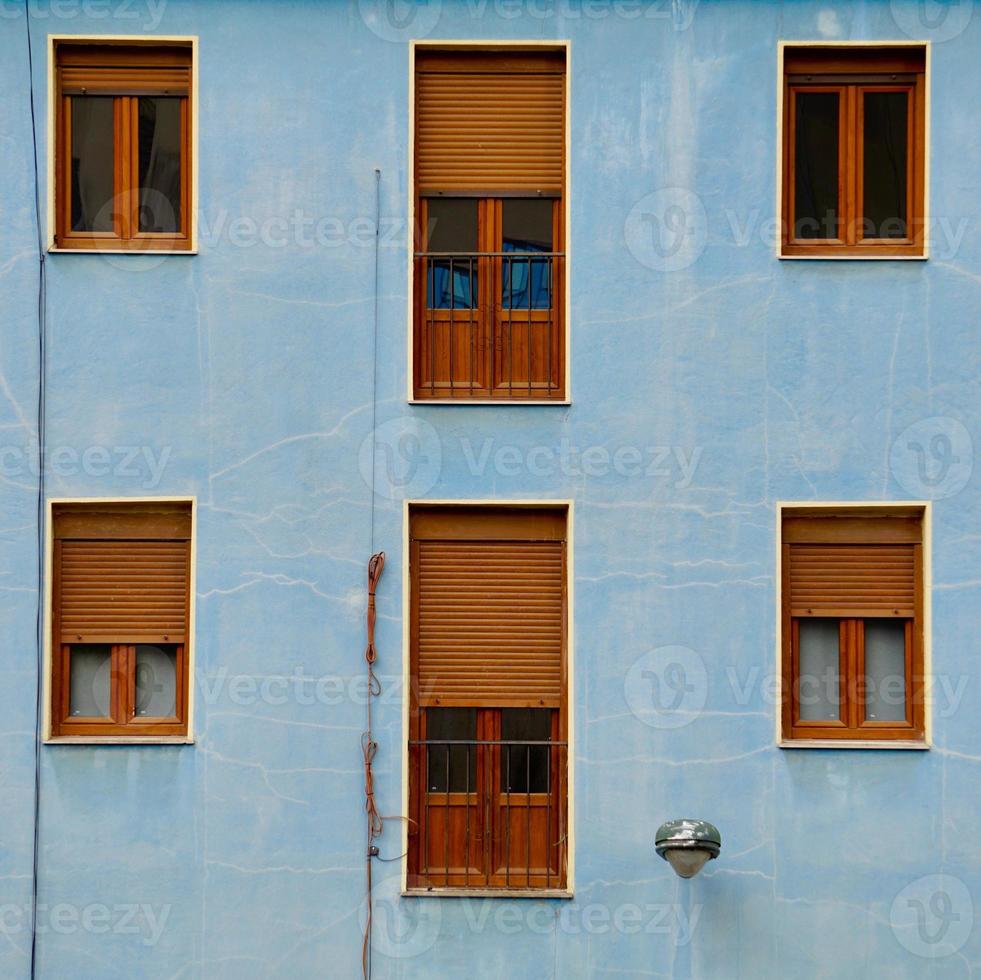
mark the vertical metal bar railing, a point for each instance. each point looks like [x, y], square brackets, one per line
[431, 331]
[528, 816]
[548, 818]
[474, 300]
[507, 823]
[446, 821]
[466, 855]
[531, 334]
[502, 814]
[452, 323]
[425, 805]
[492, 310]
[550, 325]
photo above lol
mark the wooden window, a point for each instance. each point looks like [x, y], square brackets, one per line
[488, 698]
[120, 615]
[854, 151]
[123, 146]
[852, 624]
[489, 265]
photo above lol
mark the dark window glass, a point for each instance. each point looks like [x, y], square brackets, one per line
[89, 666]
[527, 228]
[818, 670]
[884, 165]
[160, 164]
[156, 681]
[816, 166]
[452, 280]
[525, 768]
[92, 163]
[453, 766]
[885, 670]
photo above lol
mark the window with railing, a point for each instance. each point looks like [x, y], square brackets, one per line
[490, 807]
[489, 267]
[488, 756]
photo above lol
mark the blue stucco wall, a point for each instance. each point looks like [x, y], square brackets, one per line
[243, 376]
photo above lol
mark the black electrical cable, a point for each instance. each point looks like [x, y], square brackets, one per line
[368, 745]
[39, 631]
[374, 356]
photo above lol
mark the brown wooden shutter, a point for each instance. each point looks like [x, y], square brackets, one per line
[853, 566]
[121, 573]
[106, 69]
[490, 123]
[852, 580]
[488, 624]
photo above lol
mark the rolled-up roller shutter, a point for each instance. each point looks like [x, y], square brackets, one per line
[121, 575]
[488, 617]
[490, 123]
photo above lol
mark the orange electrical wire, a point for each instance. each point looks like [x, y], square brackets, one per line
[369, 747]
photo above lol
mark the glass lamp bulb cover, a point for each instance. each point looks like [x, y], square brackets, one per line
[687, 861]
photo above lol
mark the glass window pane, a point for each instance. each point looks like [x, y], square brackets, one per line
[885, 670]
[92, 163]
[90, 671]
[884, 165]
[452, 228]
[448, 764]
[816, 165]
[160, 163]
[525, 768]
[527, 227]
[818, 690]
[156, 681]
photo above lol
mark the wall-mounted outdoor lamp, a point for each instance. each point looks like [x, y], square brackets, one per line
[687, 844]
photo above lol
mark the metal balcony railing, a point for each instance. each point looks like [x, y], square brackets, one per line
[490, 813]
[489, 324]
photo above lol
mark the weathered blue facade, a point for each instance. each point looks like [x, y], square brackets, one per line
[708, 382]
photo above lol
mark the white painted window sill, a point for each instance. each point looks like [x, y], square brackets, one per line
[842, 743]
[122, 251]
[487, 893]
[503, 402]
[120, 740]
[853, 258]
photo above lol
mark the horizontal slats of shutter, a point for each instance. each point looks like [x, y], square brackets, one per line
[95, 80]
[490, 131]
[852, 580]
[490, 623]
[122, 572]
[123, 591]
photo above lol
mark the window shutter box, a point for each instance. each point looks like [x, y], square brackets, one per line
[488, 625]
[99, 69]
[493, 122]
[121, 576]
